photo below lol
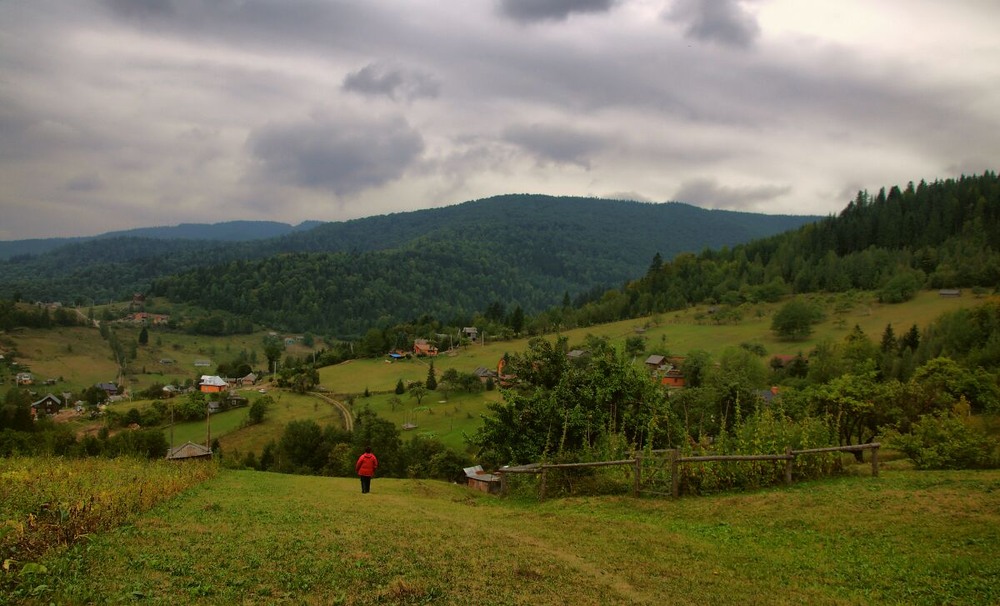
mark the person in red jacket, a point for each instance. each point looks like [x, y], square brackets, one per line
[366, 466]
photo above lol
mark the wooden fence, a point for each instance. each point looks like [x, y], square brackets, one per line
[673, 458]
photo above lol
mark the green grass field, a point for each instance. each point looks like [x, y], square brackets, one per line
[906, 537]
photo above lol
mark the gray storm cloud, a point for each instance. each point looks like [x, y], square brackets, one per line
[554, 143]
[393, 82]
[726, 22]
[526, 11]
[342, 157]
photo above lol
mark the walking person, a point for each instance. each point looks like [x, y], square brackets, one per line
[366, 466]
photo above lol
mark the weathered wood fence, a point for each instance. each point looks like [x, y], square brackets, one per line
[674, 460]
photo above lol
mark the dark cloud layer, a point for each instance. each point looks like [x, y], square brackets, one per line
[344, 157]
[527, 11]
[549, 143]
[725, 22]
[393, 82]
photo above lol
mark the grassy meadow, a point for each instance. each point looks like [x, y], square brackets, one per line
[247, 537]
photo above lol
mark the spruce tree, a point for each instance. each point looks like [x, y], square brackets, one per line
[431, 382]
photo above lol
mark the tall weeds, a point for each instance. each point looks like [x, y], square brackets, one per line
[47, 502]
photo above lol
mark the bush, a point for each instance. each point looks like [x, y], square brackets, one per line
[764, 432]
[943, 441]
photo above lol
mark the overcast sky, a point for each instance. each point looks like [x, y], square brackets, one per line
[131, 113]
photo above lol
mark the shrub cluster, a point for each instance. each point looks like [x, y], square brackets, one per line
[945, 441]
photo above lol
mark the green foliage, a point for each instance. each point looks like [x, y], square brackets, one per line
[258, 410]
[431, 382]
[795, 319]
[598, 406]
[902, 286]
[423, 457]
[765, 432]
[945, 441]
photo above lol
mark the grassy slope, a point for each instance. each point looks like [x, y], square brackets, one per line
[445, 417]
[247, 537]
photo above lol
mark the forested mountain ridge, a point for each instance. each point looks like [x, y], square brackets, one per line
[552, 245]
[944, 234]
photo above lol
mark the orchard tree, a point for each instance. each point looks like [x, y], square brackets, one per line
[419, 392]
[795, 319]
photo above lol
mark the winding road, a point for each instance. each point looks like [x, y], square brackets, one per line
[346, 414]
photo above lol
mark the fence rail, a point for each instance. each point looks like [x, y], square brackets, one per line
[675, 460]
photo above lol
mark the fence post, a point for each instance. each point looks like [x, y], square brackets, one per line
[541, 493]
[788, 465]
[875, 462]
[675, 480]
[638, 475]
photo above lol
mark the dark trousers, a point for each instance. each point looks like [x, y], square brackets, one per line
[366, 483]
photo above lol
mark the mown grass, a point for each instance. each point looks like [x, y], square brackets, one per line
[258, 538]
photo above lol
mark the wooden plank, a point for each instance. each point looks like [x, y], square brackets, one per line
[788, 465]
[675, 478]
[849, 448]
[713, 458]
[591, 464]
[637, 476]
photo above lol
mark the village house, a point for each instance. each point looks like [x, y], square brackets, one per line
[470, 332]
[212, 384]
[24, 378]
[673, 378]
[656, 362]
[49, 405]
[421, 347]
[250, 379]
[110, 389]
[485, 374]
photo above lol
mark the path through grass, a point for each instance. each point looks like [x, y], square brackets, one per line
[254, 538]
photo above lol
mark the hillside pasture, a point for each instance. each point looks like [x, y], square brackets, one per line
[76, 357]
[676, 333]
[916, 538]
[289, 406]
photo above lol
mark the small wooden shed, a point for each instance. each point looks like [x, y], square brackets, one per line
[480, 480]
[189, 451]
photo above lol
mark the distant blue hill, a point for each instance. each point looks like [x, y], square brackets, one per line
[228, 231]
